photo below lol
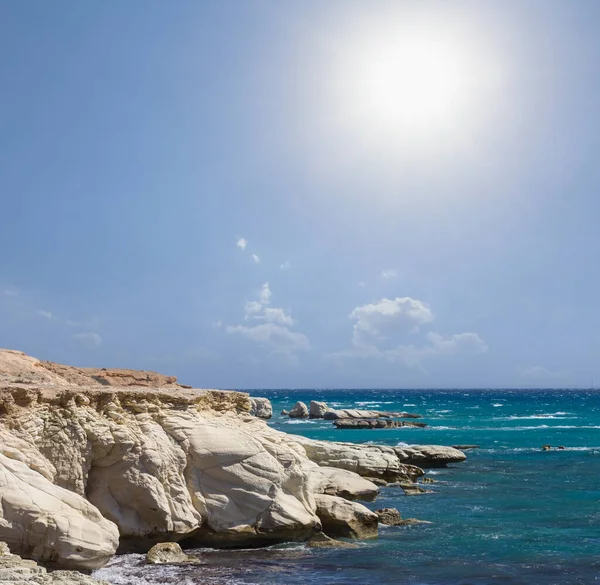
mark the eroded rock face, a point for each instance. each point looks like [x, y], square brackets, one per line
[429, 455]
[299, 410]
[343, 519]
[366, 460]
[261, 407]
[47, 523]
[389, 516]
[342, 483]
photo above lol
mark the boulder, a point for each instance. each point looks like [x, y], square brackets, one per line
[321, 540]
[465, 447]
[17, 571]
[317, 409]
[389, 516]
[342, 483]
[166, 552]
[412, 489]
[299, 410]
[50, 524]
[343, 519]
[285, 412]
[428, 456]
[261, 407]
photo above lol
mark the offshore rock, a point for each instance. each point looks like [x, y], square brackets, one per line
[389, 516]
[343, 519]
[356, 413]
[374, 423]
[317, 409]
[429, 456]
[299, 410]
[166, 552]
[261, 407]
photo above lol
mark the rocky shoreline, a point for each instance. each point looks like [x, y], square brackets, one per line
[95, 462]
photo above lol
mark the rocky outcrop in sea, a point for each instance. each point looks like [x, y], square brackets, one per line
[98, 461]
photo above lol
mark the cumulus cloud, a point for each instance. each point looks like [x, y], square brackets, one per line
[242, 243]
[541, 374]
[272, 328]
[256, 259]
[377, 321]
[88, 339]
[389, 273]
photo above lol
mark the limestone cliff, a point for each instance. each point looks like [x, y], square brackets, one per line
[94, 460]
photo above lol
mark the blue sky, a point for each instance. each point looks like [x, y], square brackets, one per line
[223, 191]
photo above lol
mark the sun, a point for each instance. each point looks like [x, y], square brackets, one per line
[414, 82]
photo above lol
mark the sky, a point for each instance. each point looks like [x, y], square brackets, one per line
[340, 194]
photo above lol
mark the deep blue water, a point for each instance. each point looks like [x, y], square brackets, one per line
[511, 514]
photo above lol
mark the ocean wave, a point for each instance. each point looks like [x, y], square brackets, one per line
[497, 404]
[301, 421]
[532, 428]
[554, 415]
[409, 404]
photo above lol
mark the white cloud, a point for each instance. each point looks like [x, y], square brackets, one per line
[378, 320]
[89, 339]
[361, 284]
[460, 343]
[46, 314]
[11, 292]
[285, 266]
[242, 243]
[265, 294]
[273, 328]
[256, 259]
[389, 273]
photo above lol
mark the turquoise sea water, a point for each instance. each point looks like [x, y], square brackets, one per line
[511, 514]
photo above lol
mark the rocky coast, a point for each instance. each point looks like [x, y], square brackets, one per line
[98, 461]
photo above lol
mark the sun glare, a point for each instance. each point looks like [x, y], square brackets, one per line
[414, 83]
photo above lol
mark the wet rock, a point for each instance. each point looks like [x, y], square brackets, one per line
[374, 423]
[465, 447]
[561, 447]
[427, 480]
[166, 552]
[321, 540]
[341, 518]
[284, 412]
[299, 410]
[412, 489]
[546, 447]
[389, 516]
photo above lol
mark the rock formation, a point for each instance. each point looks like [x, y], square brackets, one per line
[166, 552]
[355, 413]
[17, 571]
[317, 409]
[92, 460]
[261, 407]
[374, 423]
[341, 518]
[299, 410]
[321, 540]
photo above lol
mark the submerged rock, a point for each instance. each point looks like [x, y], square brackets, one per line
[321, 540]
[299, 410]
[261, 407]
[166, 552]
[341, 518]
[412, 489]
[465, 447]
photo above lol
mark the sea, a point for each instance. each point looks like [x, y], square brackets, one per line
[511, 514]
